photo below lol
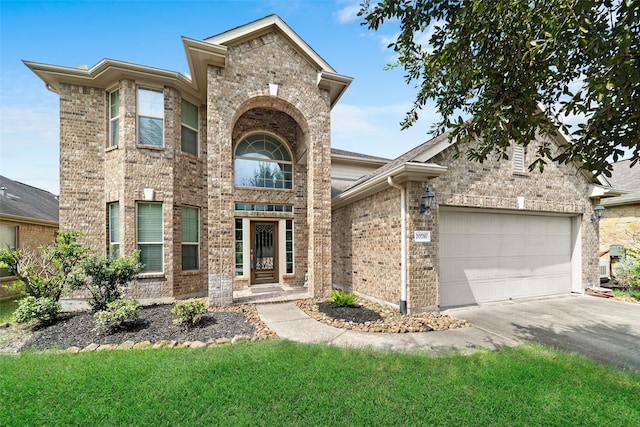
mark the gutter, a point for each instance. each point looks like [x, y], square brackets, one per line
[403, 244]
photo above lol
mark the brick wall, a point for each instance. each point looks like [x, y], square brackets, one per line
[239, 102]
[366, 249]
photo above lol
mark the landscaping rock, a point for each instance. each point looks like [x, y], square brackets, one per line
[127, 345]
[197, 344]
[372, 317]
[107, 347]
[142, 344]
[240, 339]
[72, 350]
[90, 347]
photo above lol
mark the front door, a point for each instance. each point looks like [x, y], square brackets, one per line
[264, 252]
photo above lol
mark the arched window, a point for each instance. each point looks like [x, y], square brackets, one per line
[263, 161]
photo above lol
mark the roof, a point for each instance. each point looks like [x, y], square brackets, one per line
[200, 54]
[408, 157]
[336, 152]
[625, 178]
[24, 201]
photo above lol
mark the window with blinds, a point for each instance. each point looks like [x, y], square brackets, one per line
[149, 234]
[190, 238]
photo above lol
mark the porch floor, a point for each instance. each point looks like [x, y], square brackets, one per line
[264, 294]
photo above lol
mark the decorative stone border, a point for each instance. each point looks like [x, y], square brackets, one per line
[130, 345]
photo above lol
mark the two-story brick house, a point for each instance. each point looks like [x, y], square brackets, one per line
[222, 179]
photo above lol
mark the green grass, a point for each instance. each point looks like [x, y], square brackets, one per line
[283, 383]
[620, 293]
[7, 307]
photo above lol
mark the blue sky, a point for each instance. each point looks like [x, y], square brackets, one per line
[366, 119]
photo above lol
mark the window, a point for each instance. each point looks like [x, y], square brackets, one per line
[189, 128]
[114, 230]
[289, 245]
[519, 156]
[261, 207]
[114, 118]
[8, 240]
[239, 248]
[263, 161]
[150, 117]
[149, 230]
[190, 238]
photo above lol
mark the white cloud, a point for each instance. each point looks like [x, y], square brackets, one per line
[349, 12]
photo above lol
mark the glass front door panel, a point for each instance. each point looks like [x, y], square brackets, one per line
[264, 253]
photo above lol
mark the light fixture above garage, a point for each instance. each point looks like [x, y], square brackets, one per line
[426, 201]
[598, 211]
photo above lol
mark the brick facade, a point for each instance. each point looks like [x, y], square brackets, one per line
[234, 99]
[366, 253]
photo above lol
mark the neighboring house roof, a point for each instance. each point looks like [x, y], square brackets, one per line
[625, 178]
[19, 201]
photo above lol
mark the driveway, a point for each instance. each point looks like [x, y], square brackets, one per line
[604, 330]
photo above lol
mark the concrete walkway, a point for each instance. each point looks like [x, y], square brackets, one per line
[291, 323]
[604, 330]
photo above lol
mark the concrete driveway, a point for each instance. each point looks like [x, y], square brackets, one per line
[604, 330]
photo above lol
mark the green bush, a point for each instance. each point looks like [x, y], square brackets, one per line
[105, 278]
[187, 311]
[43, 273]
[627, 270]
[119, 314]
[44, 309]
[340, 298]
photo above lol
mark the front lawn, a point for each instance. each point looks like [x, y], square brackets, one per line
[286, 383]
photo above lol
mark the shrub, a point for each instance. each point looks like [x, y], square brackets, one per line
[627, 270]
[340, 298]
[119, 314]
[105, 278]
[187, 311]
[43, 273]
[44, 309]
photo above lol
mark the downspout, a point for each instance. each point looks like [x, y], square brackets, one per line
[403, 244]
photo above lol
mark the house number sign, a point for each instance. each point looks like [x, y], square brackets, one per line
[422, 236]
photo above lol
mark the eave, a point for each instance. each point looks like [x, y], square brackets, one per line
[409, 171]
[26, 220]
[106, 73]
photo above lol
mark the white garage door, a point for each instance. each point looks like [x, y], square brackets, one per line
[495, 256]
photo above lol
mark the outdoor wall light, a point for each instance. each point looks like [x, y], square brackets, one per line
[426, 201]
[598, 211]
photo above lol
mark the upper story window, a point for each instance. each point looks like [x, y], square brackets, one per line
[114, 118]
[262, 160]
[189, 128]
[150, 117]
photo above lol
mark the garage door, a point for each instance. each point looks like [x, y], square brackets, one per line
[496, 256]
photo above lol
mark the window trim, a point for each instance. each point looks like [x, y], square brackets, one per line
[187, 126]
[138, 116]
[114, 119]
[154, 243]
[184, 243]
[277, 139]
[113, 207]
[15, 246]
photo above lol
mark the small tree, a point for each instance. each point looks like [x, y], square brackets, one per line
[105, 278]
[43, 274]
[627, 270]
